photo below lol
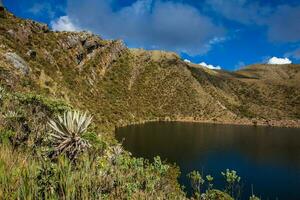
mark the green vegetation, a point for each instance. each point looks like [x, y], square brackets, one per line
[90, 178]
[203, 188]
[100, 170]
[196, 182]
[118, 86]
[232, 180]
[64, 156]
[202, 192]
[68, 131]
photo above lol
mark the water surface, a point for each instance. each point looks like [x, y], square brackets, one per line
[267, 158]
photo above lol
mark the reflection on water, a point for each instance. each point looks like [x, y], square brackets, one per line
[268, 158]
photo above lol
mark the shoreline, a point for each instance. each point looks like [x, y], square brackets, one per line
[240, 122]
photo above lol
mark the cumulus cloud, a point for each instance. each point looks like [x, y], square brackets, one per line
[203, 64]
[64, 23]
[282, 21]
[279, 61]
[149, 24]
[210, 66]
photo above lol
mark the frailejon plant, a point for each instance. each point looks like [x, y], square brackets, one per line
[67, 134]
[114, 152]
[232, 183]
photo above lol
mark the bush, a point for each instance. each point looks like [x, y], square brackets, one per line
[52, 106]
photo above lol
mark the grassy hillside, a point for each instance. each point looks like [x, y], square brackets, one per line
[45, 73]
[120, 86]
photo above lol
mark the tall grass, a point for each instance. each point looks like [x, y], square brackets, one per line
[24, 177]
[17, 175]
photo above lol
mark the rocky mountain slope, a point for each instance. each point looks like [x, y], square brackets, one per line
[121, 86]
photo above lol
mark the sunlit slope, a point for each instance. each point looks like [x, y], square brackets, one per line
[120, 85]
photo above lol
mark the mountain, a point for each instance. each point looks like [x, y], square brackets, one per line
[120, 86]
[44, 73]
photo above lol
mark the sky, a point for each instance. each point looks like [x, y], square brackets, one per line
[219, 34]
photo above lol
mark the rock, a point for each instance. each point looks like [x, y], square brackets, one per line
[84, 36]
[90, 45]
[31, 54]
[117, 48]
[11, 32]
[45, 28]
[38, 27]
[79, 58]
[17, 62]
[72, 41]
[23, 33]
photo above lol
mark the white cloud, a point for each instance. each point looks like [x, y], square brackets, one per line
[210, 66]
[279, 61]
[166, 25]
[203, 64]
[209, 45]
[64, 23]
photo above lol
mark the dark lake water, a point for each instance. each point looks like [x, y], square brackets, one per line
[267, 158]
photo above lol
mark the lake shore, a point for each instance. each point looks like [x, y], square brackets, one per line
[247, 122]
[244, 122]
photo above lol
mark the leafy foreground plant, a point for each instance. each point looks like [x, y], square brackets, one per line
[103, 169]
[196, 181]
[232, 180]
[205, 193]
[67, 135]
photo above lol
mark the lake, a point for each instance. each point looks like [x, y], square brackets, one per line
[266, 157]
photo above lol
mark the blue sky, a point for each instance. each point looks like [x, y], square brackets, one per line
[226, 33]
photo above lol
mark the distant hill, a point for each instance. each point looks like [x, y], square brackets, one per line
[121, 86]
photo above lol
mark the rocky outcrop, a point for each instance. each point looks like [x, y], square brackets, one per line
[23, 32]
[17, 62]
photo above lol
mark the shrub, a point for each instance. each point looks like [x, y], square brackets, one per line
[50, 105]
[232, 183]
[196, 181]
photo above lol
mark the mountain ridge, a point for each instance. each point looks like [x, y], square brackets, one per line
[120, 86]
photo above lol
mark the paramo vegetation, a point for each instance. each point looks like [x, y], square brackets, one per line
[50, 151]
